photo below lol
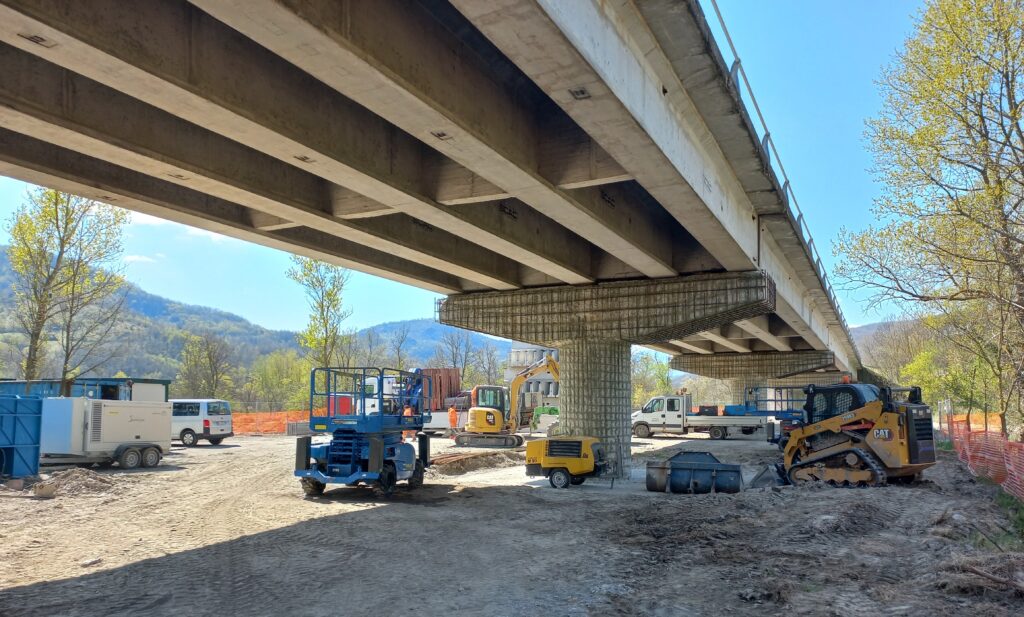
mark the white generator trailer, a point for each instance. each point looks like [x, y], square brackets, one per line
[81, 431]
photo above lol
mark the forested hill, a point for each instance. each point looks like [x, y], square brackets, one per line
[156, 327]
[154, 332]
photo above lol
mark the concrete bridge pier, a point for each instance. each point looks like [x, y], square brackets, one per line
[593, 327]
[596, 392]
[745, 371]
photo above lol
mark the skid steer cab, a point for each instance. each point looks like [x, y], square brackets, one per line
[567, 460]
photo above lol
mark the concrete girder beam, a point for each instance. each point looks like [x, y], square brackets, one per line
[268, 222]
[250, 95]
[715, 336]
[761, 365]
[45, 164]
[701, 347]
[638, 312]
[46, 101]
[639, 112]
[761, 329]
[568, 158]
[392, 57]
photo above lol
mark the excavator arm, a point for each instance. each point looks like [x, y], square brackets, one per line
[547, 364]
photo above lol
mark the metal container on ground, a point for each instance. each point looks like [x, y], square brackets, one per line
[20, 421]
[693, 472]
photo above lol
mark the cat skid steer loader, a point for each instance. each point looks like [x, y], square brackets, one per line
[859, 435]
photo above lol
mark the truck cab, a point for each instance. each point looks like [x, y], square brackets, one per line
[661, 414]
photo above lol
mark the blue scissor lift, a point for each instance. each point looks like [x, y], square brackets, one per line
[365, 410]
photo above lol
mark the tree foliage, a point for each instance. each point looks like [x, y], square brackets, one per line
[949, 150]
[65, 253]
[324, 286]
[206, 368]
[650, 376]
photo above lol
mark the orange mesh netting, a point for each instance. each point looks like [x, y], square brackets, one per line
[987, 453]
[266, 422]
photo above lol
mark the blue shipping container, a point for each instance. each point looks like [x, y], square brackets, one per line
[107, 388]
[20, 420]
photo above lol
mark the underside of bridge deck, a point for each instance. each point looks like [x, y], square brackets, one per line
[583, 174]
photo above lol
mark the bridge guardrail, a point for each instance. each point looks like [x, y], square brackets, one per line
[738, 76]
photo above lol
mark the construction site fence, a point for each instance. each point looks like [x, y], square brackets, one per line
[266, 422]
[979, 442]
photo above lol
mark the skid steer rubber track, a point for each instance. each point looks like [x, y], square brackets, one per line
[851, 467]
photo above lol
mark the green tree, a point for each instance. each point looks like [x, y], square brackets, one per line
[949, 149]
[59, 244]
[650, 377]
[324, 286]
[280, 380]
[205, 368]
[91, 298]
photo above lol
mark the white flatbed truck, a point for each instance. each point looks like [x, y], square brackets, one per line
[670, 414]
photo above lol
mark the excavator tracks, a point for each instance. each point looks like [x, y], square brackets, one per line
[481, 440]
[852, 467]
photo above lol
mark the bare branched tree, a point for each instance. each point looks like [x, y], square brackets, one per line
[454, 351]
[397, 343]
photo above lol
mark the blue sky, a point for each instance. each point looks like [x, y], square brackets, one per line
[812, 65]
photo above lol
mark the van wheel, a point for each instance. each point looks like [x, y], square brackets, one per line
[216, 440]
[188, 438]
[150, 457]
[129, 459]
[559, 478]
[718, 432]
[642, 431]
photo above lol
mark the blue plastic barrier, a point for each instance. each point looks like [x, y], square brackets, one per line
[20, 420]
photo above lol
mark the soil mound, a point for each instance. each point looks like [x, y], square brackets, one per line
[75, 481]
[458, 464]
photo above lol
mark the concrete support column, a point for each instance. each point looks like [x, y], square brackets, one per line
[595, 395]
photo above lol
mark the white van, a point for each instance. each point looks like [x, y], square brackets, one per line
[200, 418]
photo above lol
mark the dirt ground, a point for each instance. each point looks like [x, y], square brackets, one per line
[225, 530]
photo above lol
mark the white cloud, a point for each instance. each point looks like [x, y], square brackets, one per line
[131, 259]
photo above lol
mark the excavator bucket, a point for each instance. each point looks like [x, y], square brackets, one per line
[767, 477]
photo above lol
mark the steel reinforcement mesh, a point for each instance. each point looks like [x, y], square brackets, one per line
[596, 395]
[762, 365]
[639, 312]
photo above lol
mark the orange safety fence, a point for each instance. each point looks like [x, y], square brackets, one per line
[980, 444]
[266, 422]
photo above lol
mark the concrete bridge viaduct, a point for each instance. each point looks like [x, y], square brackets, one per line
[587, 175]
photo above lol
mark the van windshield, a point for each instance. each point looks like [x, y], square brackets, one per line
[218, 408]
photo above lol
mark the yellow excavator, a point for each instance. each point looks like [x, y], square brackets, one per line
[493, 417]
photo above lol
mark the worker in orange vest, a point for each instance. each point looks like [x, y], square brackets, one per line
[407, 413]
[453, 419]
